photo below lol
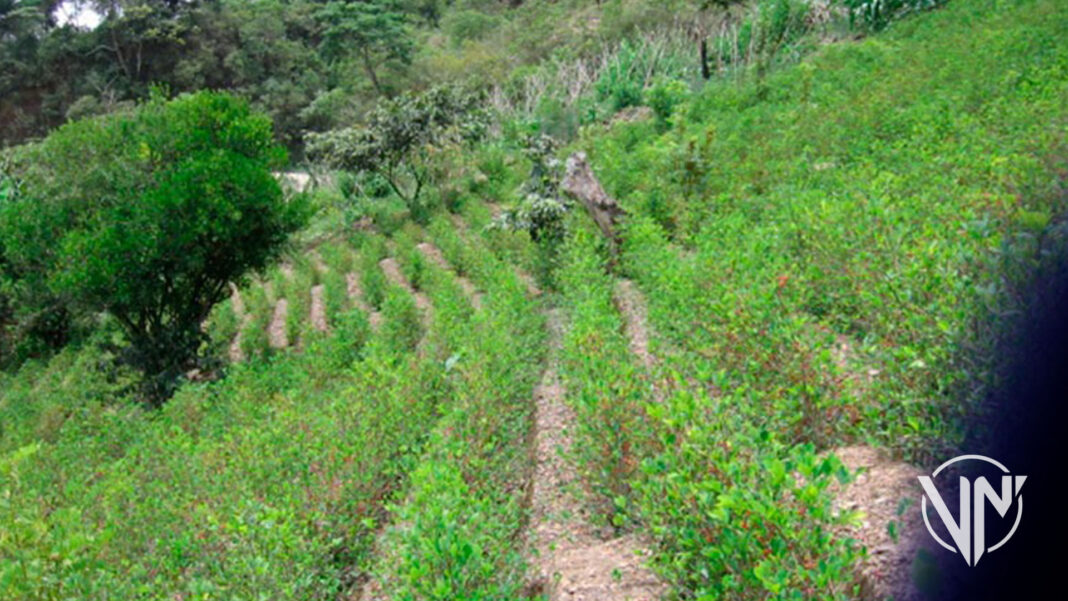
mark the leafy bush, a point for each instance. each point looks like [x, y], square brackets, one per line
[542, 208]
[372, 279]
[350, 333]
[403, 327]
[265, 484]
[192, 177]
[621, 83]
[335, 294]
[339, 258]
[412, 262]
[255, 340]
[222, 325]
[740, 515]
[39, 398]
[297, 293]
[822, 253]
[663, 96]
[605, 385]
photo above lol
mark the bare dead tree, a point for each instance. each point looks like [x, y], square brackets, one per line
[581, 184]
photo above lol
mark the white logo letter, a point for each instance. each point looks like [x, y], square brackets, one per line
[973, 509]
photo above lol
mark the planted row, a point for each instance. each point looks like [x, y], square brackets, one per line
[266, 484]
[454, 535]
[734, 508]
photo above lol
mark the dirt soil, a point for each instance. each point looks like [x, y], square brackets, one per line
[318, 308]
[238, 305]
[356, 295]
[631, 305]
[434, 254]
[277, 330]
[394, 274]
[569, 561]
[883, 489]
[528, 281]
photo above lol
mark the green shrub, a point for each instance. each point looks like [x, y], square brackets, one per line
[335, 294]
[817, 248]
[412, 262]
[298, 300]
[43, 395]
[663, 96]
[255, 338]
[740, 514]
[338, 257]
[222, 326]
[620, 84]
[402, 328]
[605, 386]
[372, 280]
[349, 334]
[192, 177]
[267, 483]
[454, 534]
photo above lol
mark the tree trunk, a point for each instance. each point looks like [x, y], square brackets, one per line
[371, 71]
[581, 184]
[703, 51]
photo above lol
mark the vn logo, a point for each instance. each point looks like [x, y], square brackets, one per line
[969, 534]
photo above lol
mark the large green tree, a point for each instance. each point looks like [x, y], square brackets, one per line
[147, 215]
[375, 31]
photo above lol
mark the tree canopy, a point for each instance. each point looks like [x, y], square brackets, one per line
[400, 135]
[147, 215]
[375, 30]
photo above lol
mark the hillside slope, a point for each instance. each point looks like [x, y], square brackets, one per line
[816, 261]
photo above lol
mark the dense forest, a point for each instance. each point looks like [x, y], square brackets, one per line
[505, 299]
[316, 65]
[309, 65]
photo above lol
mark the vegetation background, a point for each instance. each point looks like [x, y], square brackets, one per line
[833, 213]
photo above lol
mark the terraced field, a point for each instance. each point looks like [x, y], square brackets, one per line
[730, 399]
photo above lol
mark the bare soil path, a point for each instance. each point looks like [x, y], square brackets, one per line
[631, 306]
[317, 310]
[358, 299]
[394, 274]
[884, 491]
[528, 281]
[569, 560]
[434, 254]
[317, 313]
[277, 330]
